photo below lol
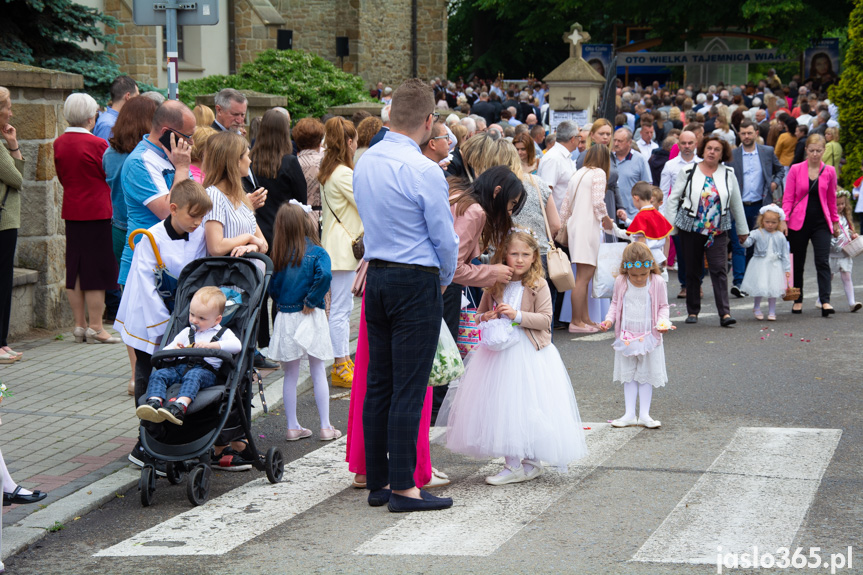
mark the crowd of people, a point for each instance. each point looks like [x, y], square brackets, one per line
[452, 198]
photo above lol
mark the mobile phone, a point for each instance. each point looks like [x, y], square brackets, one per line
[165, 139]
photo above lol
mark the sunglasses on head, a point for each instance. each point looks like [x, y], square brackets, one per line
[637, 264]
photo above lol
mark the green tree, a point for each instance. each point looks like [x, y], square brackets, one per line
[45, 33]
[310, 83]
[846, 95]
[487, 36]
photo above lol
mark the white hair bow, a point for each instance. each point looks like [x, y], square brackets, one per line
[307, 209]
[773, 208]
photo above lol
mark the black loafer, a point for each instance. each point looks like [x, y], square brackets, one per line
[727, 321]
[429, 502]
[262, 362]
[17, 498]
[827, 311]
[379, 497]
[691, 319]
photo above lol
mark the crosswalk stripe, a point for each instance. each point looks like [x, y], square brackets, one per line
[485, 517]
[243, 513]
[755, 494]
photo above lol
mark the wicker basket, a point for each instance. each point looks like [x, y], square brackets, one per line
[791, 294]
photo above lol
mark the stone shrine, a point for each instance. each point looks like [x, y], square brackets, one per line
[574, 86]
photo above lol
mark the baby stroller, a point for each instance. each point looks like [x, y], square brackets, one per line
[223, 410]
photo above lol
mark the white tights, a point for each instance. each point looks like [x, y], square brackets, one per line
[642, 391]
[322, 391]
[771, 304]
[848, 284]
[9, 484]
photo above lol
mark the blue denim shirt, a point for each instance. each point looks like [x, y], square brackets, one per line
[303, 285]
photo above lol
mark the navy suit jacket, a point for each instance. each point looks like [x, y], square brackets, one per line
[771, 169]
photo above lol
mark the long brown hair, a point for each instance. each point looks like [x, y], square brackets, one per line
[337, 132]
[598, 156]
[529, 147]
[290, 230]
[222, 166]
[272, 144]
[133, 121]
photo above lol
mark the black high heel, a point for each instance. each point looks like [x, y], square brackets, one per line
[827, 311]
[797, 310]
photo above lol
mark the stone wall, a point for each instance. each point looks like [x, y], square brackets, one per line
[37, 107]
[256, 25]
[136, 53]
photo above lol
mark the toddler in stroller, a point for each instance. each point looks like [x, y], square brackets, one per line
[204, 332]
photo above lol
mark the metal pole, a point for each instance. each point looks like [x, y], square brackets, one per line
[172, 55]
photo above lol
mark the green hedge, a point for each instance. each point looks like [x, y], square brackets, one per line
[310, 83]
[846, 95]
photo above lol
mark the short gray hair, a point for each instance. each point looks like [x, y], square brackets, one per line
[79, 108]
[469, 123]
[566, 131]
[155, 96]
[228, 95]
[625, 130]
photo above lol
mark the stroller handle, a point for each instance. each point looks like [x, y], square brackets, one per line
[167, 354]
[268, 263]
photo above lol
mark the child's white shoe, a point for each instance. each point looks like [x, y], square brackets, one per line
[515, 475]
[758, 315]
[649, 422]
[625, 422]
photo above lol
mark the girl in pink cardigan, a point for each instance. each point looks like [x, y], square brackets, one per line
[639, 312]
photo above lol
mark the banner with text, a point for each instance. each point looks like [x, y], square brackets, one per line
[695, 58]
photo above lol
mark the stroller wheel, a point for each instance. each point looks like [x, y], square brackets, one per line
[198, 486]
[275, 465]
[147, 485]
[175, 472]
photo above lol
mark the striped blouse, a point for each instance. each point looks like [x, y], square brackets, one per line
[235, 221]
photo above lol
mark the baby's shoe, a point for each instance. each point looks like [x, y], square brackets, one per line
[151, 411]
[175, 412]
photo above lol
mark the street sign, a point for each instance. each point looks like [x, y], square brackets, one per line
[153, 13]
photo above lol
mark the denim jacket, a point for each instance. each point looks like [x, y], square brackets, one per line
[306, 284]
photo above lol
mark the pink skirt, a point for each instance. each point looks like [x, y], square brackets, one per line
[356, 447]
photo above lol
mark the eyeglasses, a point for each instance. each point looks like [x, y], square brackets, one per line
[181, 134]
[435, 115]
[637, 265]
[444, 137]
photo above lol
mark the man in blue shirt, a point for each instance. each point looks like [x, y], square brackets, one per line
[122, 89]
[412, 249]
[631, 168]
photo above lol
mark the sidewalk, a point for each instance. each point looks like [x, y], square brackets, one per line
[70, 425]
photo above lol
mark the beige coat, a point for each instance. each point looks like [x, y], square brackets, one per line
[536, 311]
[338, 194]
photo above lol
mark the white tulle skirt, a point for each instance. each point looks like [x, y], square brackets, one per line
[517, 402]
[296, 335]
[765, 277]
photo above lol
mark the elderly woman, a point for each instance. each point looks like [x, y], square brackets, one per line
[11, 179]
[810, 207]
[701, 205]
[342, 228]
[90, 265]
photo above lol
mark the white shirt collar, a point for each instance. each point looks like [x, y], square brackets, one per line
[77, 130]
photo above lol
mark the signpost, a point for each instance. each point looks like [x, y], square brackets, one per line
[171, 14]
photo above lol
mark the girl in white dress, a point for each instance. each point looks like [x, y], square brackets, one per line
[639, 312]
[515, 398]
[839, 262]
[769, 268]
[300, 281]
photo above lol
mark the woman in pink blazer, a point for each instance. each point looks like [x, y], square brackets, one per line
[810, 205]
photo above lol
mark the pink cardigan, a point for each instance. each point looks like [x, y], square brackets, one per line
[658, 301]
[797, 190]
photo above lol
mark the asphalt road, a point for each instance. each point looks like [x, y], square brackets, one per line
[798, 372]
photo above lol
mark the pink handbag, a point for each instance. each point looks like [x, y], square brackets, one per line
[359, 285]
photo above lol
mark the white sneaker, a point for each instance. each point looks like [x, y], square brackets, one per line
[516, 475]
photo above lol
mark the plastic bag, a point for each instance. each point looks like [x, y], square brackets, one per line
[498, 334]
[447, 365]
[607, 269]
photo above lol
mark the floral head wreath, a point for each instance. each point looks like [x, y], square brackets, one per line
[646, 264]
[773, 208]
[527, 231]
[843, 193]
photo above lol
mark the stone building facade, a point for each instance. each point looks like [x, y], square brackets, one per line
[379, 36]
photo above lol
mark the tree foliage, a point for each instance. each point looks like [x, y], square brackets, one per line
[45, 33]
[310, 83]
[846, 95]
[487, 36]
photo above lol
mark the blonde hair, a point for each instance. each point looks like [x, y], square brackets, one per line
[212, 297]
[597, 124]
[222, 166]
[199, 141]
[638, 252]
[5, 96]
[534, 276]
[204, 116]
[483, 152]
[759, 221]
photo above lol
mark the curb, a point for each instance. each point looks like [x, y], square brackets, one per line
[33, 527]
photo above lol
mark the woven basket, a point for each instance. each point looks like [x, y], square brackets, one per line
[791, 294]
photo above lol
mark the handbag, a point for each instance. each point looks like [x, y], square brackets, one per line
[607, 269]
[562, 236]
[359, 285]
[791, 292]
[559, 266]
[468, 332]
[357, 246]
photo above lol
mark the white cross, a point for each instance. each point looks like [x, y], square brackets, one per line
[575, 38]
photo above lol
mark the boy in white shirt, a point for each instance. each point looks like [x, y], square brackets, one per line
[205, 313]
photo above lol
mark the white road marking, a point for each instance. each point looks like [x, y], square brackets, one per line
[243, 513]
[756, 493]
[485, 517]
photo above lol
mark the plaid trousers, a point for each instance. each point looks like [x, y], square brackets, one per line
[403, 319]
